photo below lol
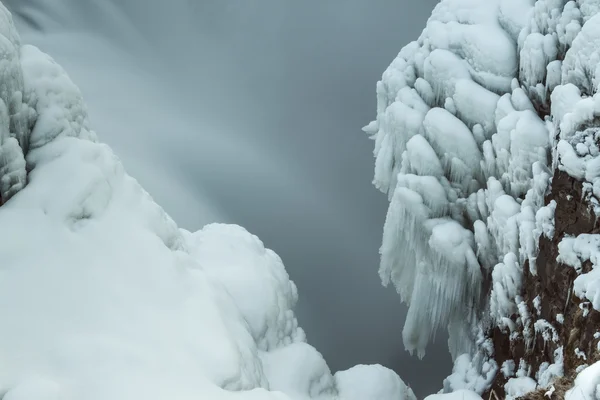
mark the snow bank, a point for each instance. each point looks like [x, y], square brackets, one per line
[102, 296]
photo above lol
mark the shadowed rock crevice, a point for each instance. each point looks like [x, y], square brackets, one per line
[553, 286]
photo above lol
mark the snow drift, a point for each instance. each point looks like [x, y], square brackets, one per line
[474, 121]
[102, 296]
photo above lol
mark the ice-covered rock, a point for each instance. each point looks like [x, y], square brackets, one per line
[502, 99]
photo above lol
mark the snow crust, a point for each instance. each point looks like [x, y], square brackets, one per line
[103, 296]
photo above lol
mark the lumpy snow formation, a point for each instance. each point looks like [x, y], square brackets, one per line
[473, 119]
[103, 297]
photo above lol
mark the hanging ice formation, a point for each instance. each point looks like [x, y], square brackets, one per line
[472, 120]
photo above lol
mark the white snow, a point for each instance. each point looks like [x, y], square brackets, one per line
[114, 301]
[573, 251]
[517, 387]
[14, 114]
[548, 332]
[510, 89]
[537, 303]
[587, 384]
[102, 296]
[506, 281]
[315, 382]
[254, 277]
[471, 374]
[450, 115]
[458, 395]
[508, 368]
[371, 382]
[549, 372]
[580, 354]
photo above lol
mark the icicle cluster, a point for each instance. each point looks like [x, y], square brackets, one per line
[472, 120]
[463, 156]
[15, 115]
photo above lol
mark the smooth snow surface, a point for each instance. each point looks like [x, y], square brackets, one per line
[517, 387]
[587, 384]
[103, 297]
[457, 395]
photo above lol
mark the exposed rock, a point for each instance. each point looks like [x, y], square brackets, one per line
[554, 286]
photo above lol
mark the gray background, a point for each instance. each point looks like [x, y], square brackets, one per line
[250, 112]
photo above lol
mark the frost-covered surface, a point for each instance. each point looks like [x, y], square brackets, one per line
[103, 297]
[371, 382]
[473, 119]
[573, 251]
[464, 176]
[472, 374]
[587, 384]
[516, 387]
[463, 156]
[14, 113]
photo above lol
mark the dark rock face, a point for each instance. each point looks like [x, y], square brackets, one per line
[554, 286]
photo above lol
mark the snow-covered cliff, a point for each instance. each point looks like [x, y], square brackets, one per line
[103, 297]
[486, 142]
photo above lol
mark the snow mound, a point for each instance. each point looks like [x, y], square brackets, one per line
[587, 384]
[102, 296]
[371, 382]
[517, 387]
